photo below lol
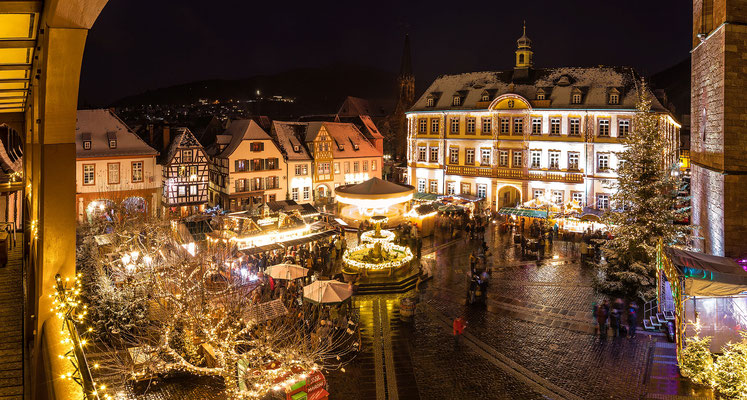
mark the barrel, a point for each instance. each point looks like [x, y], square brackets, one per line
[406, 308]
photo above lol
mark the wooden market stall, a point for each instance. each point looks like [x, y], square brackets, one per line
[705, 288]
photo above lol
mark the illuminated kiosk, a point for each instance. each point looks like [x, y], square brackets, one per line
[359, 202]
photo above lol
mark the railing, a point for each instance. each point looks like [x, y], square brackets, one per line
[516, 173]
[469, 171]
[511, 173]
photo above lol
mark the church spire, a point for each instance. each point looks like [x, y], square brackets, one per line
[405, 68]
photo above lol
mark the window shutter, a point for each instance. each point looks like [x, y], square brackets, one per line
[236, 165]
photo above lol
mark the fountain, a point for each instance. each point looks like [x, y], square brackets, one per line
[377, 252]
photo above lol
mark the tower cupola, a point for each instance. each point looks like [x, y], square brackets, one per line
[524, 55]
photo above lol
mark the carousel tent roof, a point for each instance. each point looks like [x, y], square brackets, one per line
[707, 275]
[374, 188]
[523, 212]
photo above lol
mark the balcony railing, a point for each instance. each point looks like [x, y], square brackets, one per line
[517, 173]
[469, 171]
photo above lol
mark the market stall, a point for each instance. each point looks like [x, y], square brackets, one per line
[699, 287]
[424, 217]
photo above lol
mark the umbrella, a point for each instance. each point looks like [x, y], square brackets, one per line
[327, 292]
[286, 271]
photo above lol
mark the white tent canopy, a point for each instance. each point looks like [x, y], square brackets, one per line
[327, 292]
[286, 271]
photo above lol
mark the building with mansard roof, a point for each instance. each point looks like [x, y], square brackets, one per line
[185, 175]
[511, 136]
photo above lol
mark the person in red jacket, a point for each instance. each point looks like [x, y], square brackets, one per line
[459, 325]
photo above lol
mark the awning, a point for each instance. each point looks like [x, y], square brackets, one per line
[261, 249]
[308, 238]
[707, 275]
[425, 196]
[523, 212]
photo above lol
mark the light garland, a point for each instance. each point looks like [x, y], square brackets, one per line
[386, 236]
[388, 246]
[68, 307]
[372, 203]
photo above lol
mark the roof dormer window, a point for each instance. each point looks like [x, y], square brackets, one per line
[540, 94]
[112, 138]
[86, 145]
[355, 146]
[485, 96]
[457, 101]
[113, 144]
[576, 99]
[614, 97]
[297, 148]
[430, 102]
[341, 147]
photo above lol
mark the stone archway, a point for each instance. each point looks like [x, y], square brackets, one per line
[508, 196]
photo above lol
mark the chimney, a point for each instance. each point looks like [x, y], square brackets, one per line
[150, 134]
[166, 137]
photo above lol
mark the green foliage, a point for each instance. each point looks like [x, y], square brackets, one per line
[645, 208]
[696, 360]
[730, 371]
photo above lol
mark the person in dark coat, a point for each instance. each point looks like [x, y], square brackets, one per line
[603, 311]
[632, 318]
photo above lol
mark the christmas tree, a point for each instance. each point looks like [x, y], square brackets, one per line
[644, 207]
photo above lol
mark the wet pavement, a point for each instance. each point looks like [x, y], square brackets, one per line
[533, 339]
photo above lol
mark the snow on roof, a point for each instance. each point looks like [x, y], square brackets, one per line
[349, 141]
[184, 139]
[102, 125]
[287, 134]
[558, 83]
[240, 130]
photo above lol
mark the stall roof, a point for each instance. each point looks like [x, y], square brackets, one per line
[425, 196]
[523, 212]
[707, 275]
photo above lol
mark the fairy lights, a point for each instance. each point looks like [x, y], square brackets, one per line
[404, 252]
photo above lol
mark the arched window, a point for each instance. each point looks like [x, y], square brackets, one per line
[521, 58]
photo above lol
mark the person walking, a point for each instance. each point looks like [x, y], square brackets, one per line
[602, 314]
[632, 319]
[459, 325]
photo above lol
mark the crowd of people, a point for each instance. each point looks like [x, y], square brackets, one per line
[611, 316]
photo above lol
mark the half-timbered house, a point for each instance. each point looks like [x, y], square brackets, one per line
[185, 175]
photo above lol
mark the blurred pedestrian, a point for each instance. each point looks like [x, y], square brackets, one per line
[602, 314]
[632, 318]
[459, 325]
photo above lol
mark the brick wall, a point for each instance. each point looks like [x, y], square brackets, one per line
[707, 102]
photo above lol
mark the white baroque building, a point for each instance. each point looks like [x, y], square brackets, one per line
[510, 136]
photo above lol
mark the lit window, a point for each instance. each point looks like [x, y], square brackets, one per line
[434, 154]
[470, 157]
[465, 188]
[485, 97]
[451, 188]
[576, 99]
[89, 174]
[471, 122]
[193, 190]
[86, 145]
[536, 158]
[421, 185]
[540, 95]
[306, 192]
[422, 125]
[112, 144]
[373, 165]
[604, 127]
[482, 190]
[430, 102]
[365, 165]
[539, 193]
[434, 187]
[554, 159]
[555, 126]
[347, 167]
[181, 191]
[294, 194]
[614, 98]
[536, 126]
[356, 167]
[457, 101]
[503, 158]
[186, 156]
[623, 127]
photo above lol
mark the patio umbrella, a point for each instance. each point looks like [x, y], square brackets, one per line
[327, 292]
[286, 271]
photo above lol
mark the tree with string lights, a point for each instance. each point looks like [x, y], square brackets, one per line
[645, 207]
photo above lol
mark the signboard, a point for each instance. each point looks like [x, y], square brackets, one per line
[313, 389]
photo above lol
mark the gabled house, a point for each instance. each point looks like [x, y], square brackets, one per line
[290, 138]
[185, 168]
[113, 167]
[247, 168]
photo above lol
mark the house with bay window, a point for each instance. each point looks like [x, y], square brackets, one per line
[114, 167]
[247, 168]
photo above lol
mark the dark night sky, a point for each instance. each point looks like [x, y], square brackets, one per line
[137, 45]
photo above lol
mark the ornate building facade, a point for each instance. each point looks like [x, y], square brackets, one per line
[718, 141]
[510, 136]
[185, 175]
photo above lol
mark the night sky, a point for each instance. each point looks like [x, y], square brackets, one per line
[137, 45]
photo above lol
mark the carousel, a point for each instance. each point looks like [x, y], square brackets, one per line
[359, 202]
